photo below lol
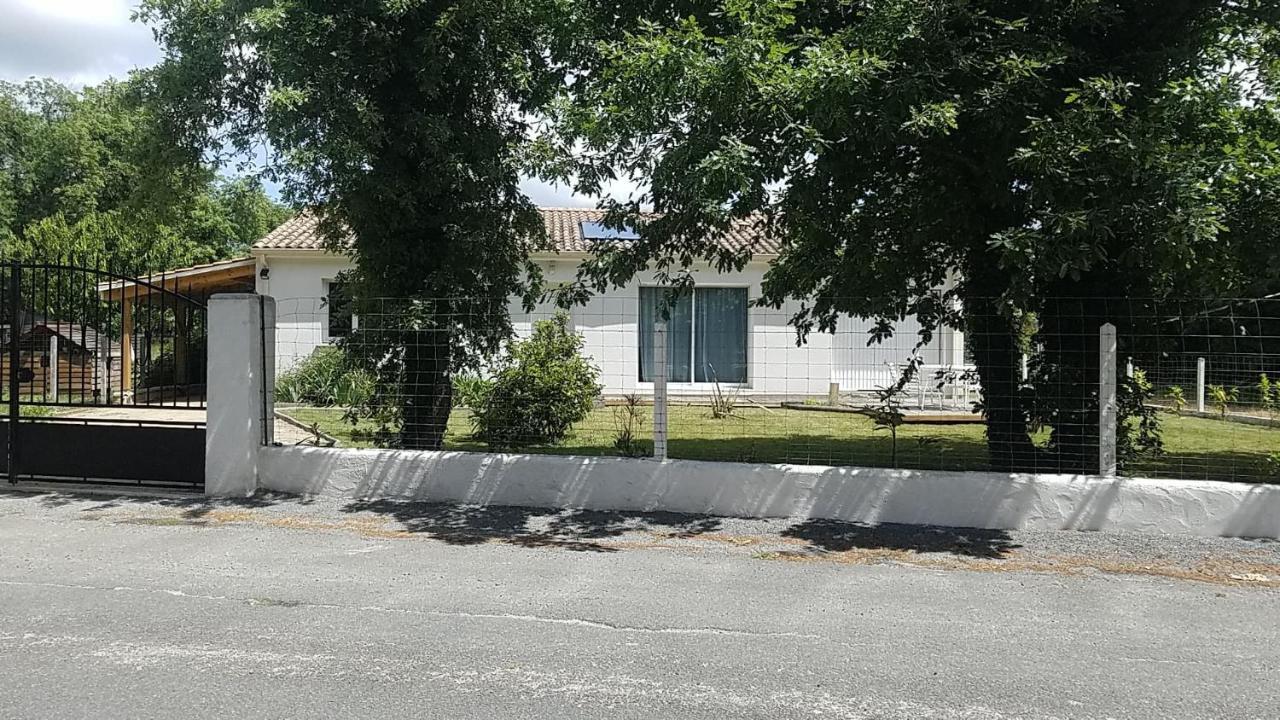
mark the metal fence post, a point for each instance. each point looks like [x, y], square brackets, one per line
[1107, 414]
[53, 368]
[15, 359]
[660, 371]
[1200, 374]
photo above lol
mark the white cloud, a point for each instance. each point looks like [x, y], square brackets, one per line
[83, 42]
[78, 42]
[103, 12]
[546, 194]
[550, 195]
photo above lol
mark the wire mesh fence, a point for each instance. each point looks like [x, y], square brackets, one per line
[1192, 384]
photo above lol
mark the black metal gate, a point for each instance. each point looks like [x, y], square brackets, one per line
[104, 377]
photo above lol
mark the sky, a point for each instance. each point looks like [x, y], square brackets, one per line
[83, 42]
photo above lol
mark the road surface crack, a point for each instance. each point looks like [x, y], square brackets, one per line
[451, 614]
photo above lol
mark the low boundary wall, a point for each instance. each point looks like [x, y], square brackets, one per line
[863, 495]
[240, 459]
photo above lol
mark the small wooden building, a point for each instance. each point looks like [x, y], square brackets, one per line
[60, 361]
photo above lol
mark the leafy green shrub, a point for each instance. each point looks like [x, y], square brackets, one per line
[470, 391]
[1177, 398]
[1138, 430]
[1269, 395]
[887, 413]
[324, 379]
[1222, 398]
[542, 386]
[159, 371]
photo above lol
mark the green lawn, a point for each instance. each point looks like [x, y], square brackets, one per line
[1195, 448]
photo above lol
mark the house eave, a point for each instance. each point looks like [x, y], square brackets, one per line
[542, 255]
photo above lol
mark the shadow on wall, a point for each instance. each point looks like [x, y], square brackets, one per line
[1258, 516]
[858, 495]
[848, 494]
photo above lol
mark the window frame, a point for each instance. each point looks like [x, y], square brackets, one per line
[692, 384]
[326, 335]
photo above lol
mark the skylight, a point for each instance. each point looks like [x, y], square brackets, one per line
[597, 231]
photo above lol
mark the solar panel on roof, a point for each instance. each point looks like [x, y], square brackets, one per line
[597, 231]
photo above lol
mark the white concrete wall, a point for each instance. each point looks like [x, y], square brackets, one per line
[297, 282]
[608, 325]
[239, 392]
[968, 499]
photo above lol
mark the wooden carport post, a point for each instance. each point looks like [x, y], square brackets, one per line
[126, 343]
[182, 327]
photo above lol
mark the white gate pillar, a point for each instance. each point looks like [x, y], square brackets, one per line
[240, 392]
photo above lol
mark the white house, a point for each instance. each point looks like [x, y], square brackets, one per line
[714, 335]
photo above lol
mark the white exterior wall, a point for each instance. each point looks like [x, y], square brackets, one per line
[297, 281]
[608, 325]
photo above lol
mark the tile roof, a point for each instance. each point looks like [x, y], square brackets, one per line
[564, 230]
[298, 233]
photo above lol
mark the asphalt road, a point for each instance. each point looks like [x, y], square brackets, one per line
[123, 608]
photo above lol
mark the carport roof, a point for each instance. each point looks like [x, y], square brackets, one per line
[235, 275]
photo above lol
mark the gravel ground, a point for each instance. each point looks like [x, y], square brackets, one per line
[1227, 561]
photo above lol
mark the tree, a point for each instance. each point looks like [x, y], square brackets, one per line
[81, 180]
[1031, 151]
[402, 125]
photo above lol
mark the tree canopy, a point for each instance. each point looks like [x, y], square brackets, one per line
[403, 126]
[923, 157]
[81, 179]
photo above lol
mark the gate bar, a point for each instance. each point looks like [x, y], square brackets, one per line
[15, 320]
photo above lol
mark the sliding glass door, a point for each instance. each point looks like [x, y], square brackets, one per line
[679, 334]
[706, 334]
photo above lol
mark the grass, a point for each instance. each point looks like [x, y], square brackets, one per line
[1194, 447]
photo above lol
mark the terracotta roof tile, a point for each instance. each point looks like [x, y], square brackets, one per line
[564, 230]
[298, 233]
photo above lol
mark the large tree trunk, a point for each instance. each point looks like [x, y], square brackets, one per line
[993, 342]
[1068, 383]
[427, 395]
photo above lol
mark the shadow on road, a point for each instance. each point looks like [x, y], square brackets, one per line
[575, 530]
[837, 536]
[532, 527]
[193, 507]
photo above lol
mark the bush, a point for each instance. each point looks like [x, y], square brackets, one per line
[1269, 395]
[541, 387]
[324, 379]
[1138, 432]
[470, 391]
[160, 371]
